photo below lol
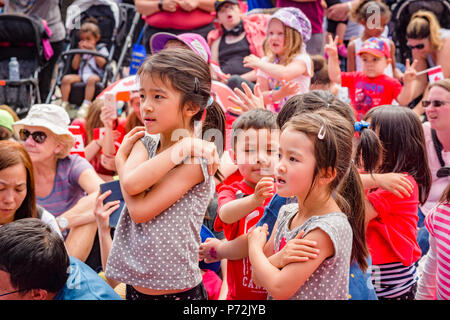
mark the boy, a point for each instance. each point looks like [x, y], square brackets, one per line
[371, 87]
[241, 204]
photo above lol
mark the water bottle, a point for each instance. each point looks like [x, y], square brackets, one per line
[14, 69]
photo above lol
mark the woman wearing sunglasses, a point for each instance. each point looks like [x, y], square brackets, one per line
[429, 45]
[66, 185]
[437, 138]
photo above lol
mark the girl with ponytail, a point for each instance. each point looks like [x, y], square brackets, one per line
[165, 173]
[392, 217]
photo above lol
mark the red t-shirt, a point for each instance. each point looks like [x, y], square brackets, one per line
[239, 274]
[95, 161]
[392, 236]
[366, 93]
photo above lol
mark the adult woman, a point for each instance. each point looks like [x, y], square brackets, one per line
[17, 188]
[429, 45]
[68, 184]
[176, 16]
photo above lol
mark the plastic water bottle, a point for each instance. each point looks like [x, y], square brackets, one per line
[14, 69]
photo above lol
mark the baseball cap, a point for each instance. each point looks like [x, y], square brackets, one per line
[220, 3]
[194, 41]
[6, 120]
[376, 46]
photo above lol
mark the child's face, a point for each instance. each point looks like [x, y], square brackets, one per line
[160, 106]
[256, 153]
[373, 66]
[275, 36]
[229, 15]
[296, 163]
[375, 28]
[87, 40]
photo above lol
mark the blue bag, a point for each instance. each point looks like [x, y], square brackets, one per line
[138, 54]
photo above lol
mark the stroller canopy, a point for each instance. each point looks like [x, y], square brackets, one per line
[74, 11]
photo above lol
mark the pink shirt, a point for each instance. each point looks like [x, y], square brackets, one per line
[438, 184]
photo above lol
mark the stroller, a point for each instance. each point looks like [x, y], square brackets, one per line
[112, 22]
[402, 12]
[22, 37]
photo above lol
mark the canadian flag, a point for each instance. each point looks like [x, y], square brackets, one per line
[99, 133]
[78, 147]
[435, 74]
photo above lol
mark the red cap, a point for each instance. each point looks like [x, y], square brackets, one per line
[377, 47]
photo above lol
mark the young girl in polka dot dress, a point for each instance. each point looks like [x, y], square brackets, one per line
[155, 246]
[315, 165]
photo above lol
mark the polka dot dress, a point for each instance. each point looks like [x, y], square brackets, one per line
[162, 253]
[330, 281]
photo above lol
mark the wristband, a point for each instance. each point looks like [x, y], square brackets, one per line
[160, 6]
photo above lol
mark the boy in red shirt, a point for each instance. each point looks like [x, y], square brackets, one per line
[241, 204]
[371, 87]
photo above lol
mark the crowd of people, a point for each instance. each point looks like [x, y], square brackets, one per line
[271, 150]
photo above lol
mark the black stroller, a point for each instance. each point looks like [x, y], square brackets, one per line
[112, 20]
[22, 37]
[402, 12]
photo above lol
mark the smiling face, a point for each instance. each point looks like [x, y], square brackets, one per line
[296, 164]
[41, 152]
[13, 190]
[229, 15]
[373, 66]
[276, 37]
[439, 117]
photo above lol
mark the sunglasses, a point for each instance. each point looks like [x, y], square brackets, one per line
[38, 136]
[434, 103]
[419, 46]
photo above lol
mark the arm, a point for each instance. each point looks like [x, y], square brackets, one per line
[280, 283]
[371, 213]
[396, 183]
[426, 287]
[149, 7]
[351, 57]
[276, 71]
[249, 76]
[213, 250]
[334, 70]
[76, 61]
[92, 149]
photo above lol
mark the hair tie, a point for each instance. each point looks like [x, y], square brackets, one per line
[196, 85]
[361, 125]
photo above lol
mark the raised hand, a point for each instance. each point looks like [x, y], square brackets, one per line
[331, 47]
[410, 71]
[247, 99]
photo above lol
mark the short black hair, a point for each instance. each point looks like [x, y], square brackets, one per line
[253, 119]
[33, 255]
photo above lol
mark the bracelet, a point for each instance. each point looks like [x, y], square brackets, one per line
[160, 6]
[98, 144]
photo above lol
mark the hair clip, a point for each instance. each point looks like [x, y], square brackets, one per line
[196, 85]
[321, 133]
[361, 125]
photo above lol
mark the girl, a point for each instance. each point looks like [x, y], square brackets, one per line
[364, 13]
[392, 220]
[287, 68]
[434, 283]
[90, 67]
[155, 247]
[315, 149]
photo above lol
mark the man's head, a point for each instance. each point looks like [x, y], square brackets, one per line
[375, 56]
[254, 141]
[33, 261]
[228, 13]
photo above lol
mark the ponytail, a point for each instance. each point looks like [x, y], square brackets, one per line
[369, 150]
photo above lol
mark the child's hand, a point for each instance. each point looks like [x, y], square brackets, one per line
[257, 237]
[108, 161]
[331, 47]
[297, 250]
[410, 72]
[264, 189]
[102, 212]
[396, 183]
[127, 144]
[195, 147]
[208, 250]
[288, 88]
[252, 61]
[248, 100]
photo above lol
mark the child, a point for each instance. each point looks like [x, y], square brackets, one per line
[370, 87]
[435, 283]
[155, 247]
[314, 164]
[287, 69]
[373, 15]
[90, 67]
[392, 220]
[337, 28]
[241, 204]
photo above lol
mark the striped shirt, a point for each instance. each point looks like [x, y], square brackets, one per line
[66, 191]
[391, 280]
[438, 224]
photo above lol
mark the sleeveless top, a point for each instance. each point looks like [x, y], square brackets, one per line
[231, 56]
[331, 279]
[162, 254]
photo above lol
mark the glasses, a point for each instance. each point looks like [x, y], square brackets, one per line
[434, 103]
[8, 293]
[419, 46]
[38, 136]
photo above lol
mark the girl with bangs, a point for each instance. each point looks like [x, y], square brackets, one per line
[286, 70]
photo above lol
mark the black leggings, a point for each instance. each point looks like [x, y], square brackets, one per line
[196, 293]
